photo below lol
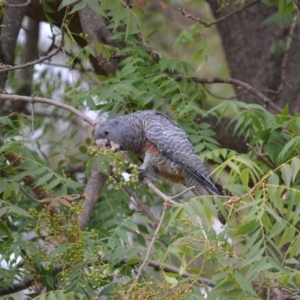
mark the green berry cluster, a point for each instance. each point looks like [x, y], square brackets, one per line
[114, 164]
[76, 250]
[98, 275]
[157, 290]
[117, 179]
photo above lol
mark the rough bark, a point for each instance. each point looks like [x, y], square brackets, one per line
[91, 192]
[96, 30]
[25, 75]
[11, 24]
[248, 42]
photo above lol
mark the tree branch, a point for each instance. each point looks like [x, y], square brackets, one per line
[25, 75]
[91, 192]
[267, 101]
[19, 286]
[208, 24]
[171, 269]
[34, 99]
[11, 24]
[167, 199]
[94, 26]
[286, 52]
[140, 205]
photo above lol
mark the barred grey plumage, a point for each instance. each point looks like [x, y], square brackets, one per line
[163, 146]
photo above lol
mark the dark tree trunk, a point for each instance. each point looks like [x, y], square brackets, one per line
[249, 42]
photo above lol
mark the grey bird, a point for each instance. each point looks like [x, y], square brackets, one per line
[162, 145]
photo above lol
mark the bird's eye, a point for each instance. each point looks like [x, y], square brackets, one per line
[106, 132]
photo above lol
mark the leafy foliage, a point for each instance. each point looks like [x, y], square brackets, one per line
[258, 248]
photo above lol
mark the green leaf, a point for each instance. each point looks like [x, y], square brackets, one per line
[273, 183]
[286, 173]
[41, 297]
[246, 228]
[253, 256]
[233, 166]
[44, 179]
[51, 296]
[291, 144]
[4, 231]
[94, 5]
[245, 177]
[189, 211]
[292, 261]
[277, 228]
[91, 103]
[288, 236]
[53, 183]
[18, 211]
[170, 278]
[66, 3]
[70, 296]
[60, 295]
[276, 264]
[59, 250]
[244, 284]
[49, 281]
[3, 211]
[79, 6]
[295, 166]
[259, 266]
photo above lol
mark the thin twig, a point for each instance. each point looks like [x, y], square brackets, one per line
[32, 114]
[140, 205]
[50, 102]
[145, 262]
[261, 155]
[154, 238]
[5, 68]
[167, 199]
[54, 116]
[237, 199]
[208, 24]
[157, 191]
[286, 52]
[183, 192]
[267, 101]
[219, 97]
[148, 48]
[171, 269]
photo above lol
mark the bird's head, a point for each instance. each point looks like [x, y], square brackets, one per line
[110, 134]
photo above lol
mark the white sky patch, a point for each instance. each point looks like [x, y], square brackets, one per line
[126, 176]
[3, 264]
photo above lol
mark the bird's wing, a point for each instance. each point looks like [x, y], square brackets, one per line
[174, 142]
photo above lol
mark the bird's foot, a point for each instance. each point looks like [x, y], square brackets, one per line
[145, 174]
[142, 168]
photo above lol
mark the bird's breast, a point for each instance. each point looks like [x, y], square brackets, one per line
[162, 163]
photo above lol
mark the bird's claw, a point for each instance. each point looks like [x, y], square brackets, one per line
[144, 174]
